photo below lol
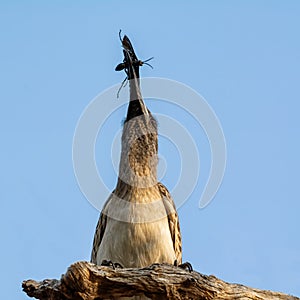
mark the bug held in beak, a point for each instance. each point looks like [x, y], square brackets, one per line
[122, 66]
[131, 63]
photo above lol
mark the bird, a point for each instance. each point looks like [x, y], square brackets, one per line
[138, 225]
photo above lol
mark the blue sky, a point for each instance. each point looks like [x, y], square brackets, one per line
[243, 57]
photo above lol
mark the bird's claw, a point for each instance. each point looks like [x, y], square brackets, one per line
[109, 263]
[186, 266]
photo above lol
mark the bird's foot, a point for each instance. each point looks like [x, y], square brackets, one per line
[109, 263]
[185, 266]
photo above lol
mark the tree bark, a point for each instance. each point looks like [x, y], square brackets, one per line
[86, 281]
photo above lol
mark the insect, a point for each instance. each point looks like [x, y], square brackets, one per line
[130, 59]
[124, 65]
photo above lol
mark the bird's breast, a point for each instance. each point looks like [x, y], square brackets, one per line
[137, 244]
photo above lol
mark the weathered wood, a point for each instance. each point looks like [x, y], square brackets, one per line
[86, 281]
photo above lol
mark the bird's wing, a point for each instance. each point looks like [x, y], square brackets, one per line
[100, 228]
[173, 221]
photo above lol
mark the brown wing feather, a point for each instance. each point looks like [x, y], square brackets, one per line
[173, 221]
[100, 228]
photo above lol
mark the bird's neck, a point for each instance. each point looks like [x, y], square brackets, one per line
[138, 163]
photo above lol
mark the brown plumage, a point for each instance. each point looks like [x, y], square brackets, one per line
[138, 225]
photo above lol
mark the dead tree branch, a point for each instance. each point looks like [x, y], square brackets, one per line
[86, 281]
